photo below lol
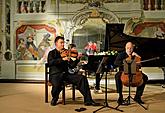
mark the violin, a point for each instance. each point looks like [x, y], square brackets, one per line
[69, 53]
[64, 53]
[137, 78]
[72, 55]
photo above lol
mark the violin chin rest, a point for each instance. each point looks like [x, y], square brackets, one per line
[73, 58]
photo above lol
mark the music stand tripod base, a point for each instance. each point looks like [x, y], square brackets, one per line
[127, 102]
[105, 102]
[130, 68]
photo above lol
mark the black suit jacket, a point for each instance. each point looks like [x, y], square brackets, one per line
[119, 60]
[55, 62]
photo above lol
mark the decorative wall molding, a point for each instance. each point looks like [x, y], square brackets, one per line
[142, 28]
[93, 1]
[82, 15]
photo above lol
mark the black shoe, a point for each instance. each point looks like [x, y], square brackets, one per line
[92, 104]
[80, 109]
[120, 101]
[53, 102]
[138, 100]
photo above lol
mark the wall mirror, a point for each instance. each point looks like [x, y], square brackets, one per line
[93, 32]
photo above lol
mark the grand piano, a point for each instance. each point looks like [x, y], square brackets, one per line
[151, 50]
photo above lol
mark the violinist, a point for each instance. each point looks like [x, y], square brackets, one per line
[129, 47]
[59, 72]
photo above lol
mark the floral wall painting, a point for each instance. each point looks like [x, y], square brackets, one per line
[150, 29]
[32, 41]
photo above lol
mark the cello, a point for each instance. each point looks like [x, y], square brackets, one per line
[137, 77]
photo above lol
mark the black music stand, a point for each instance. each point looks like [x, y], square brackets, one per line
[105, 69]
[163, 86]
[130, 69]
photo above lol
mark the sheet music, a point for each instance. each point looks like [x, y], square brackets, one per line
[100, 67]
[133, 66]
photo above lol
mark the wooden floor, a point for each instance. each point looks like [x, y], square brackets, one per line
[29, 98]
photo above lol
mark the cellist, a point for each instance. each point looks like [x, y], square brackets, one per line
[129, 52]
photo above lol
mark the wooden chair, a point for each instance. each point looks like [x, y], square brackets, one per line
[47, 83]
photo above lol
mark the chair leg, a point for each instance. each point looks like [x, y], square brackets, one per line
[63, 95]
[73, 92]
[46, 92]
[46, 83]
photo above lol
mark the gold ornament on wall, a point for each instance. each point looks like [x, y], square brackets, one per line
[94, 13]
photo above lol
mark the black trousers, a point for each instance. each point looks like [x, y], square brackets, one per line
[98, 79]
[79, 80]
[139, 89]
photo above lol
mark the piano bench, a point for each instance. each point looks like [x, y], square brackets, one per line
[47, 83]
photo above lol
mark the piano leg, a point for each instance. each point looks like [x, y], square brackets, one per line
[163, 68]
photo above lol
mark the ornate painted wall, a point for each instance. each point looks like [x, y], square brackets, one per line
[32, 41]
[34, 22]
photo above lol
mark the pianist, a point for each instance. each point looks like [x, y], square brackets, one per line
[119, 63]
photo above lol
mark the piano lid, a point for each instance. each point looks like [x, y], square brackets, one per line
[147, 48]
